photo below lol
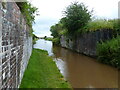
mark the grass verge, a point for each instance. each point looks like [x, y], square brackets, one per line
[42, 72]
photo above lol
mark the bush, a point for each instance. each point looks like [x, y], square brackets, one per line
[116, 24]
[63, 32]
[56, 41]
[76, 17]
[35, 38]
[109, 52]
[28, 12]
[55, 30]
[49, 38]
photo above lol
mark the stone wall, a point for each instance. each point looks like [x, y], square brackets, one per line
[86, 43]
[15, 45]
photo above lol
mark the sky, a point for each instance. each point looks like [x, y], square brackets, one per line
[51, 11]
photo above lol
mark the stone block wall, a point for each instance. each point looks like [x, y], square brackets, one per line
[86, 43]
[15, 45]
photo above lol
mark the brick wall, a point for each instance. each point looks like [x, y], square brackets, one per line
[15, 45]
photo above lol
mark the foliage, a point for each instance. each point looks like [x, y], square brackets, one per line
[56, 41]
[28, 11]
[76, 17]
[35, 38]
[98, 24]
[42, 72]
[48, 38]
[31, 31]
[116, 24]
[63, 32]
[56, 32]
[109, 52]
[55, 29]
[44, 37]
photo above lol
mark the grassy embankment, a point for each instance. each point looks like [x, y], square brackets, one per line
[42, 72]
[107, 51]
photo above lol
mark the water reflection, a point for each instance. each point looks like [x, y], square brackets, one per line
[81, 71]
[44, 45]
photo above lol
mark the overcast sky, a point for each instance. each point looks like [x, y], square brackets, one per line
[51, 12]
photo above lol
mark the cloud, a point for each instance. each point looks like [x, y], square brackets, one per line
[42, 26]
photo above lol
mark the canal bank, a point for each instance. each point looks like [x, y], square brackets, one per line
[42, 72]
[102, 44]
[81, 71]
[86, 43]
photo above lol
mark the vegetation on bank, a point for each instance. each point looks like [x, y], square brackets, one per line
[76, 16]
[35, 38]
[109, 52]
[100, 24]
[42, 72]
[54, 40]
[29, 12]
[78, 20]
[48, 38]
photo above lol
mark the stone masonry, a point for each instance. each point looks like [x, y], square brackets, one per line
[86, 43]
[15, 45]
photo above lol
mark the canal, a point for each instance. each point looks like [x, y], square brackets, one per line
[81, 71]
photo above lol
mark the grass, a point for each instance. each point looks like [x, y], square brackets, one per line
[42, 72]
[101, 24]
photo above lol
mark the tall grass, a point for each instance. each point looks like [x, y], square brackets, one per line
[109, 52]
[101, 24]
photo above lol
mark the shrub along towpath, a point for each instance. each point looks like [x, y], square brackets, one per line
[42, 72]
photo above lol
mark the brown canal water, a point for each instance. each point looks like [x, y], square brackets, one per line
[81, 71]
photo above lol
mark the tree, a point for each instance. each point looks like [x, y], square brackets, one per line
[55, 29]
[45, 37]
[76, 17]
